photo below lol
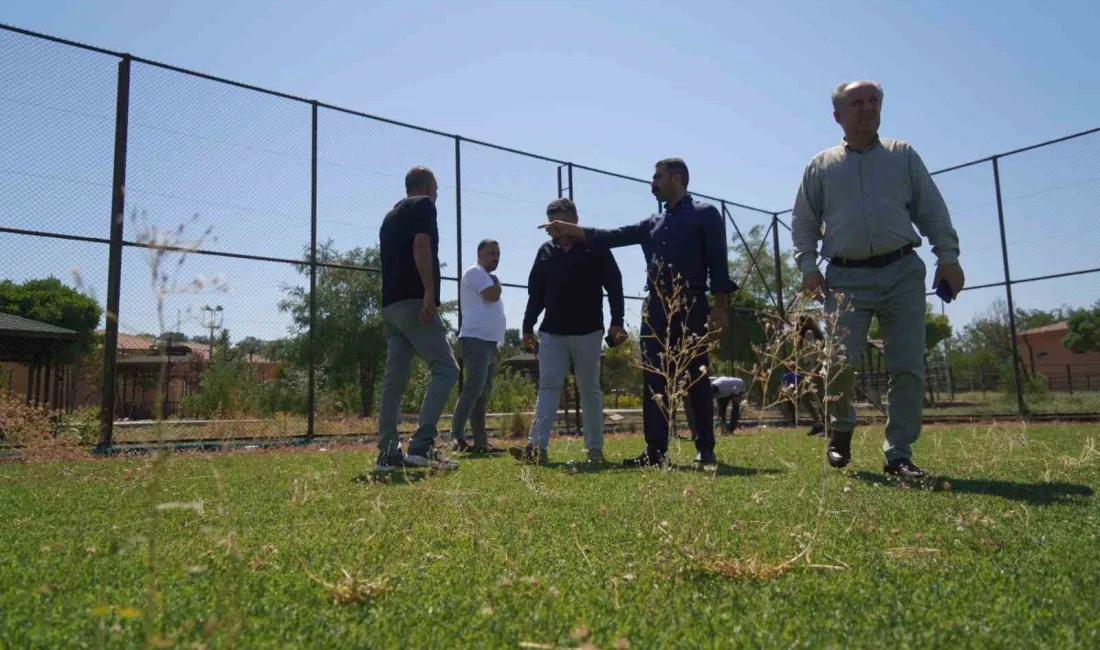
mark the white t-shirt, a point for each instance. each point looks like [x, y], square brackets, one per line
[728, 386]
[481, 318]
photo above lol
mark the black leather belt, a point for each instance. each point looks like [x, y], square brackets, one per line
[876, 262]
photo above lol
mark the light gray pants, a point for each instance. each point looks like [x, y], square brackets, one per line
[555, 353]
[479, 358]
[406, 336]
[895, 294]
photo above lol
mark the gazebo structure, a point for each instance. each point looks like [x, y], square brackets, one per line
[42, 371]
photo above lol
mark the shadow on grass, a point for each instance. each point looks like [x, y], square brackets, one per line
[402, 477]
[722, 469]
[1035, 494]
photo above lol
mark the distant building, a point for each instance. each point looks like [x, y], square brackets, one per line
[1042, 350]
[36, 363]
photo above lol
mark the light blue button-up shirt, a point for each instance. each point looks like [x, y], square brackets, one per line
[863, 204]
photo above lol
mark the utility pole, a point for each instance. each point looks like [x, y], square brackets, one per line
[212, 319]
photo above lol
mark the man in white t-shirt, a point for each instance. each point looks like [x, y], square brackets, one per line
[728, 391]
[482, 330]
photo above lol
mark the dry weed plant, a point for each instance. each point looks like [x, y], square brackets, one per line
[167, 251]
[817, 355]
[678, 349]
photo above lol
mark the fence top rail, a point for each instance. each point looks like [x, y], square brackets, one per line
[342, 109]
[520, 152]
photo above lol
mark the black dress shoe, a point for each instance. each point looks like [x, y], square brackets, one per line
[840, 449]
[645, 460]
[904, 468]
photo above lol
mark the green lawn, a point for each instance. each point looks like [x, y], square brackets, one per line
[1001, 550]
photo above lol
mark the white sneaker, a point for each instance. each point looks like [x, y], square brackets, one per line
[434, 459]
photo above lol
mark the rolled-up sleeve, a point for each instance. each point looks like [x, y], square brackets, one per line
[715, 251]
[929, 213]
[806, 220]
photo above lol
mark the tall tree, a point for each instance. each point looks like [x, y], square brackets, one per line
[349, 345]
[1084, 330]
[618, 372]
[757, 278]
[50, 301]
[251, 347]
[937, 328]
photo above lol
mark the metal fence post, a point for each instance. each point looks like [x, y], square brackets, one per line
[1008, 290]
[778, 267]
[458, 240]
[311, 397]
[114, 259]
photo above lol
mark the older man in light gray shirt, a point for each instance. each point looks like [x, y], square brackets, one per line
[862, 199]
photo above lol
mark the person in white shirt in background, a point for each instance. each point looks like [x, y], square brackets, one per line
[482, 330]
[729, 391]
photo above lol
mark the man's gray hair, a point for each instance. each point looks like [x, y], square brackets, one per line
[840, 91]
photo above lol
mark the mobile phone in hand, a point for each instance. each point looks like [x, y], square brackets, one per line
[943, 290]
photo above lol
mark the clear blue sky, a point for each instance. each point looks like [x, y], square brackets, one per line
[740, 90]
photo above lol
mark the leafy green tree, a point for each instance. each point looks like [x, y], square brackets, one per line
[1027, 319]
[251, 347]
[350, 348]
[50, 301]
[758, 279]
[513, 343]
[937, 328]
[618, 372]
[1084, 330]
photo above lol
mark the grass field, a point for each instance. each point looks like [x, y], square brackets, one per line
[306, 549]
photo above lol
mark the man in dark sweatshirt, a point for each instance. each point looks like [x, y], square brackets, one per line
[567, 282]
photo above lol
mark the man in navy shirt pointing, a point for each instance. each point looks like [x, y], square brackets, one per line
[687, 239]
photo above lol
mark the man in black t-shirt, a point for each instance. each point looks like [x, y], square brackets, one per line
[409, 240]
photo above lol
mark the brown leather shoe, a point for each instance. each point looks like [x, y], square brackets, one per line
[529, 455]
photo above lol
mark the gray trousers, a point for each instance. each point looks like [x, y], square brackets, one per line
[555, 353]
[406, 336]
[895, 294]
[479, 358]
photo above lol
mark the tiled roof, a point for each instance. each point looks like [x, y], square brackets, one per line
[19, 326]
[1056, 327]
[131, 342]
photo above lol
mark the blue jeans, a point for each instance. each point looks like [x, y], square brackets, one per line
[406, 336]
[480, 361]
[555, 353]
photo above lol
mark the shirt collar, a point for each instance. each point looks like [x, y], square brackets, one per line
[687, 199]
[874, 143]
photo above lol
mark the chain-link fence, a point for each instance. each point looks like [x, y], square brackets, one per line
[209, 251]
